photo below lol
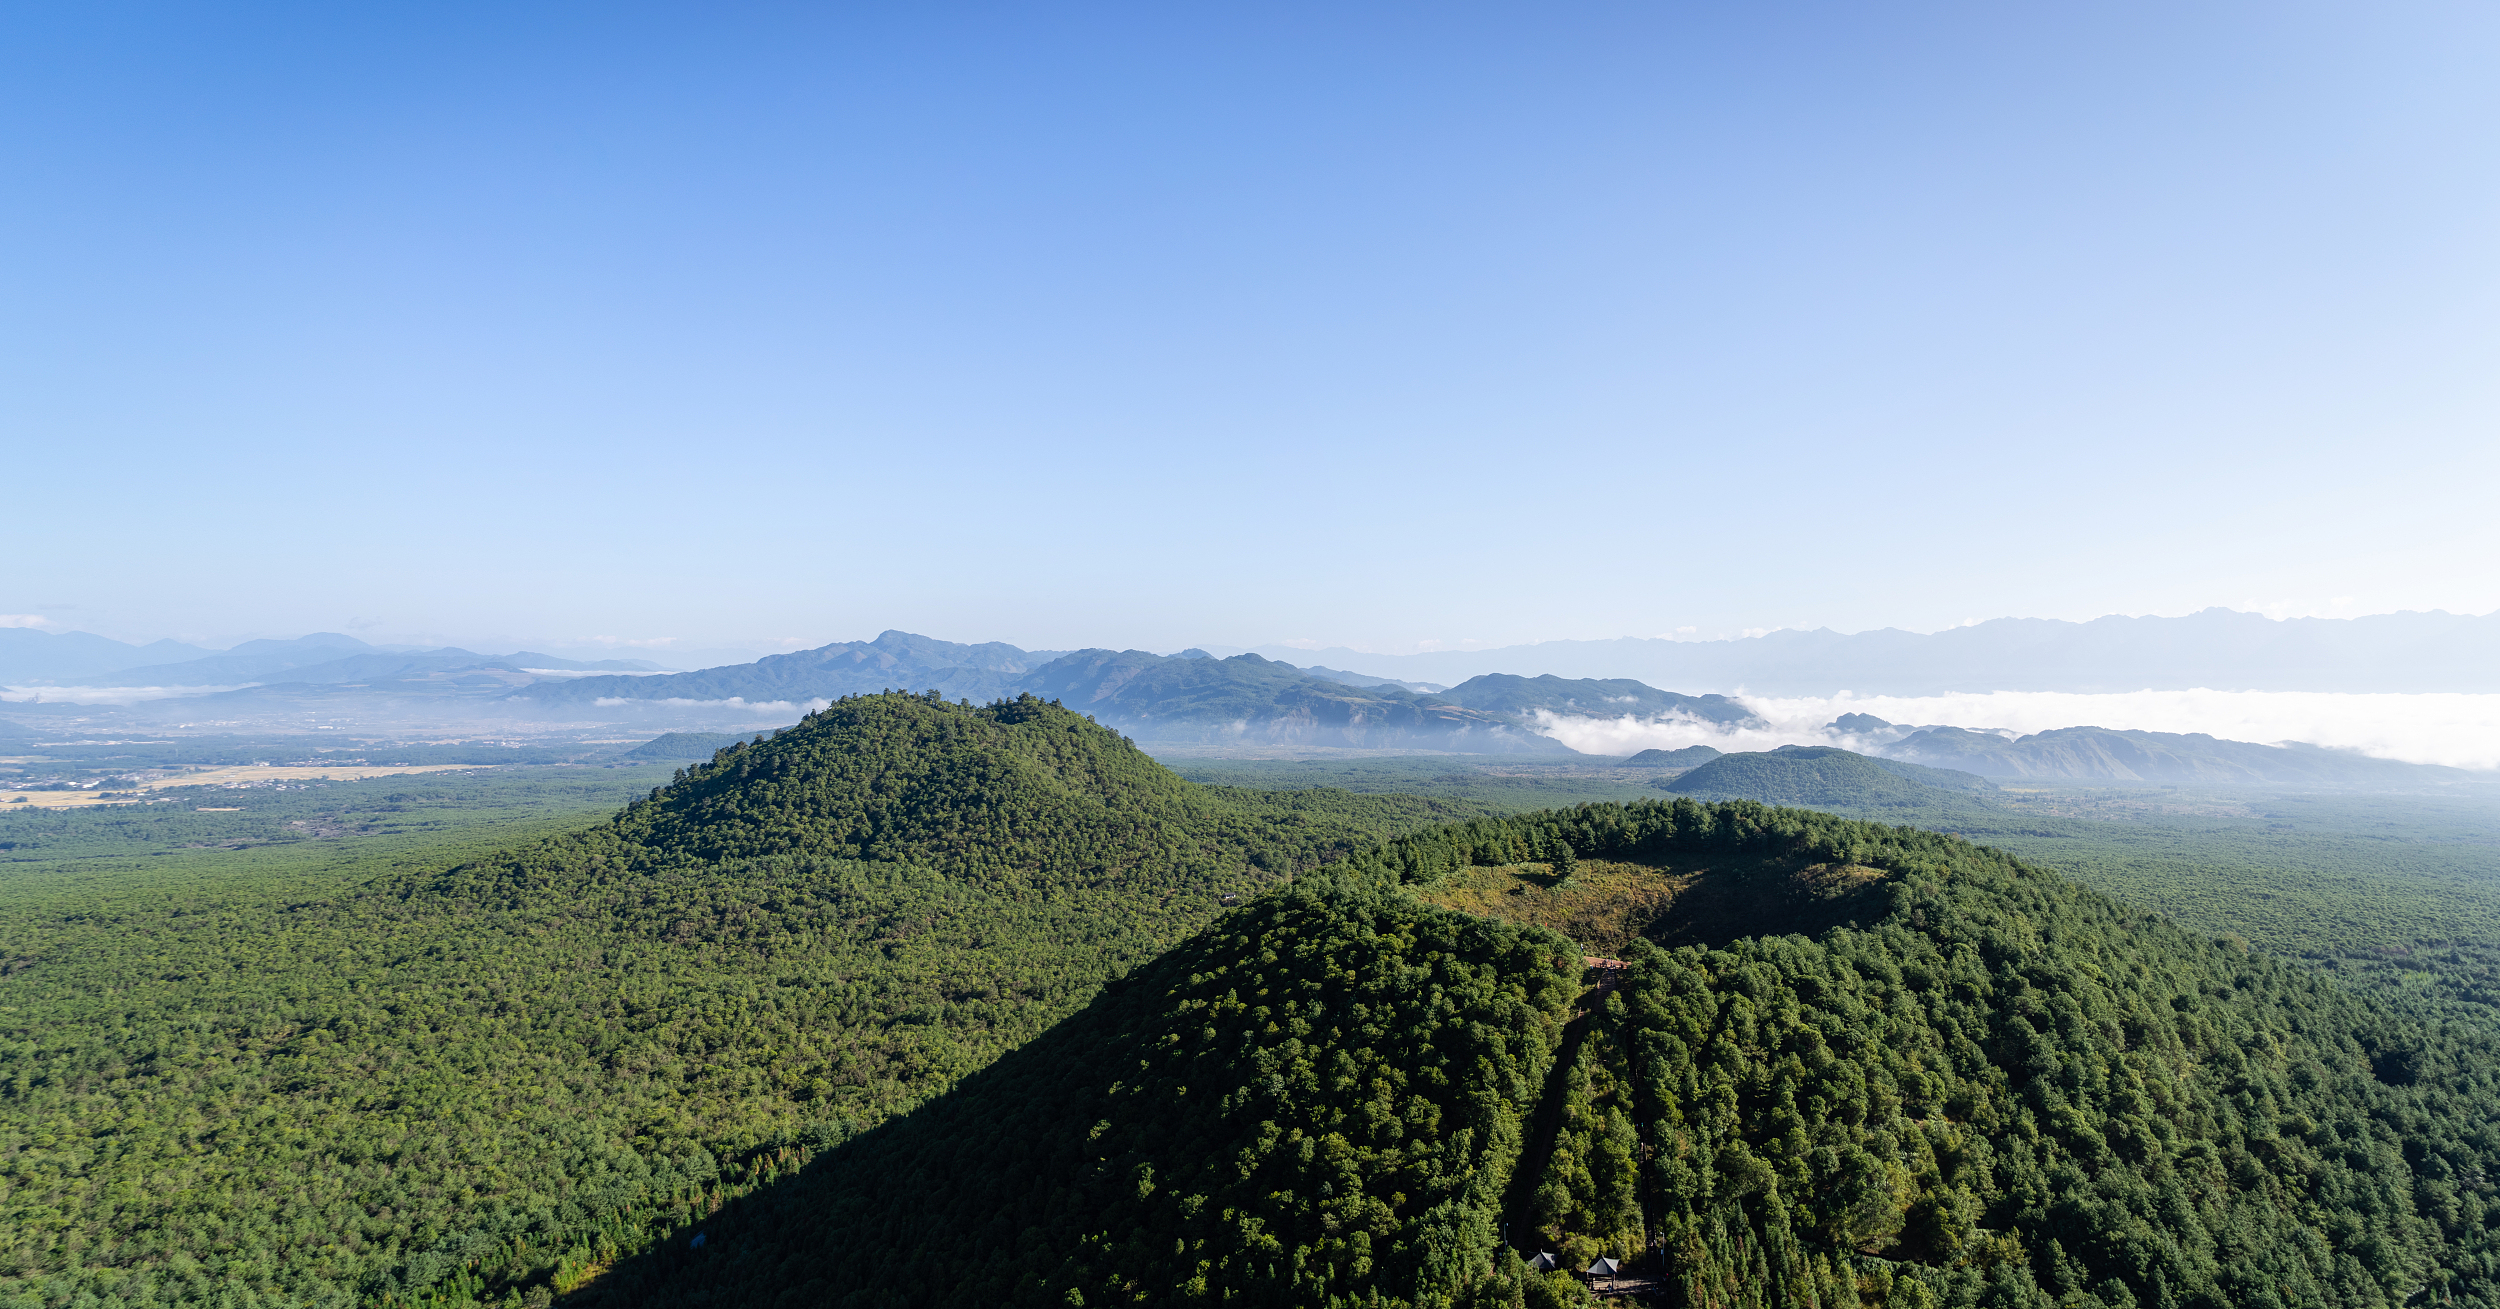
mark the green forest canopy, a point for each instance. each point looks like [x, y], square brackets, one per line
[492, 1081]
[370, 1091]
[1998, 1088]
[1821, 776]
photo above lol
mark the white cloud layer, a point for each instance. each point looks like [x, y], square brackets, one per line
[735, 703]
[103, 695]
[2459, 730]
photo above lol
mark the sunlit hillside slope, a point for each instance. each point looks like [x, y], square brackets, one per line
[482, 1079]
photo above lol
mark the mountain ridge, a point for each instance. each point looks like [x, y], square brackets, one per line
[1185, 699]
[27, 654]
[2217, 649]
[2108, 754]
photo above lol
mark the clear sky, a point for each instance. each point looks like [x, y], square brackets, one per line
[1129, 324]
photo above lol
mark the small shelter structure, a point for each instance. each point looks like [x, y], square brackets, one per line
[1604, 1268]
[1545, 1262]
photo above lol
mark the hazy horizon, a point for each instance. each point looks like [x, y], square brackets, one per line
[669, 651]
[1390, 328]
[2432, 726]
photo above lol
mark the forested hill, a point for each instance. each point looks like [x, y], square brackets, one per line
[2170, 757]
[477, 1082]
[825, 1020]
[1595, 697]
[1247, 698]
[1691, 756]
[1881, 1067]
[1020, 793]
[1823, 776]
[688, 745]
[894, 661]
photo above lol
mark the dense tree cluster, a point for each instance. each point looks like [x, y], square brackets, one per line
[2014, 1092]
[478, 1080]
[1822, 776]
[2388, 892]
[825, 1020]
[1654, 831]
[1315, 1102]
[2000, 1089]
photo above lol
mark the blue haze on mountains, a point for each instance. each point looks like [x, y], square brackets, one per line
[638, 331]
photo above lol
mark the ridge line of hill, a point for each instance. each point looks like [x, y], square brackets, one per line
[1954, 1080]
[1172, 699]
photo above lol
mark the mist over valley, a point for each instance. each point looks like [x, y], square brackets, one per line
[1193, 700]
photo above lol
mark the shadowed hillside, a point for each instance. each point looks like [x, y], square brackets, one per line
[1994, 1089]
[1315, 1100]
[453, 1085]
[1824, 775]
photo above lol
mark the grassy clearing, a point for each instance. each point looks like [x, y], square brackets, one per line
[1604, 906]
[1607, 904]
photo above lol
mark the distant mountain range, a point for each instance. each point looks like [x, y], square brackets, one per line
[1193, 698]
[894, 661]
[1196, 699]
[27, 655]
[2220, 649]
[1186, 698]
[2174, 758]
[1611, 697]
[1353, 679]
[319, 659]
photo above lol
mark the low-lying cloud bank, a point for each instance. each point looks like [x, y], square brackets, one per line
[2459, 730]
[734, 704]
[106, 695]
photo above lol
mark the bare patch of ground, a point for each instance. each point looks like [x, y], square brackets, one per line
[1608, 904]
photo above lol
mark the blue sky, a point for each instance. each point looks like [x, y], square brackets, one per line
[1380, 325]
